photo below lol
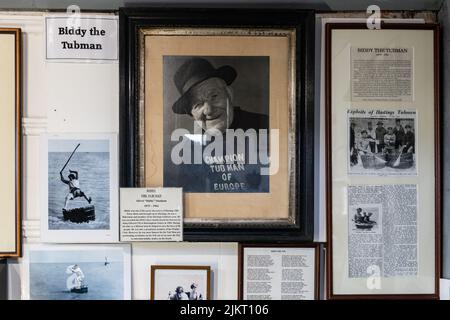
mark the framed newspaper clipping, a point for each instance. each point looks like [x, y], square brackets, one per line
[383, 161]
[220, 103]
[11, 142]
[279, 271]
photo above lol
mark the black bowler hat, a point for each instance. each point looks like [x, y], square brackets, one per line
[191, 73]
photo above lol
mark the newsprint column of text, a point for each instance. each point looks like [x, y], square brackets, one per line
[382, 221]
[279, 274]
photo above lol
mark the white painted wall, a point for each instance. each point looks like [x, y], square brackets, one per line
[84, 98]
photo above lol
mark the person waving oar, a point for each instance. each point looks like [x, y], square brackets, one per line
[73, 183]
[397, 161]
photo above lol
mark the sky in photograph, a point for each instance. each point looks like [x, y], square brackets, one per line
[62, 145]
[72, 255]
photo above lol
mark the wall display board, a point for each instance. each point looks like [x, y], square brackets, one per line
[11, 142]
[219, 103]
[383, 161]
[180, 283]
[279, 272]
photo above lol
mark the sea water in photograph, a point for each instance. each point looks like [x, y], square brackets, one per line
[76, 275]
[78, 184]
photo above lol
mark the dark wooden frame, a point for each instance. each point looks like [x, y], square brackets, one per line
[437, 164]
[131, 19]
[3, 280]
[176, 267]
[18, 135]
[242, 246]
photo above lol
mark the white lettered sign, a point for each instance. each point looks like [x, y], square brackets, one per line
[93, 38]
[151, 214]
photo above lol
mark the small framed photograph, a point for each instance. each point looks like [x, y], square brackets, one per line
[180, 283]
[75, 272]
[383, 151]
[11, 142]
[80, 188]
[220, 103]
[279, 271]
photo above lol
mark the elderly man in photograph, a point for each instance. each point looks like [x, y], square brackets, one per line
[206, 96]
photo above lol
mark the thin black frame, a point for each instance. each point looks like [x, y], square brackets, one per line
[303, 21]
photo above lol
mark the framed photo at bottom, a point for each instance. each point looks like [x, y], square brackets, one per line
[279, 271]
[180, 283]
[77, 272]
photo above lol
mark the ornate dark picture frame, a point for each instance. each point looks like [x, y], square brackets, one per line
[299, 25]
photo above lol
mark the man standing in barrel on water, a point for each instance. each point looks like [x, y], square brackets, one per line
[74, 187]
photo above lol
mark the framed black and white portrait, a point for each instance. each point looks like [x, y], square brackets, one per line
[237, 87]
[219, 103]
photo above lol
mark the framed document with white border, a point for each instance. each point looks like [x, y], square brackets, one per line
[76, 272]
[11, 142]
[383, 161]
[79, 188]
[193, 79]
[279, 271]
